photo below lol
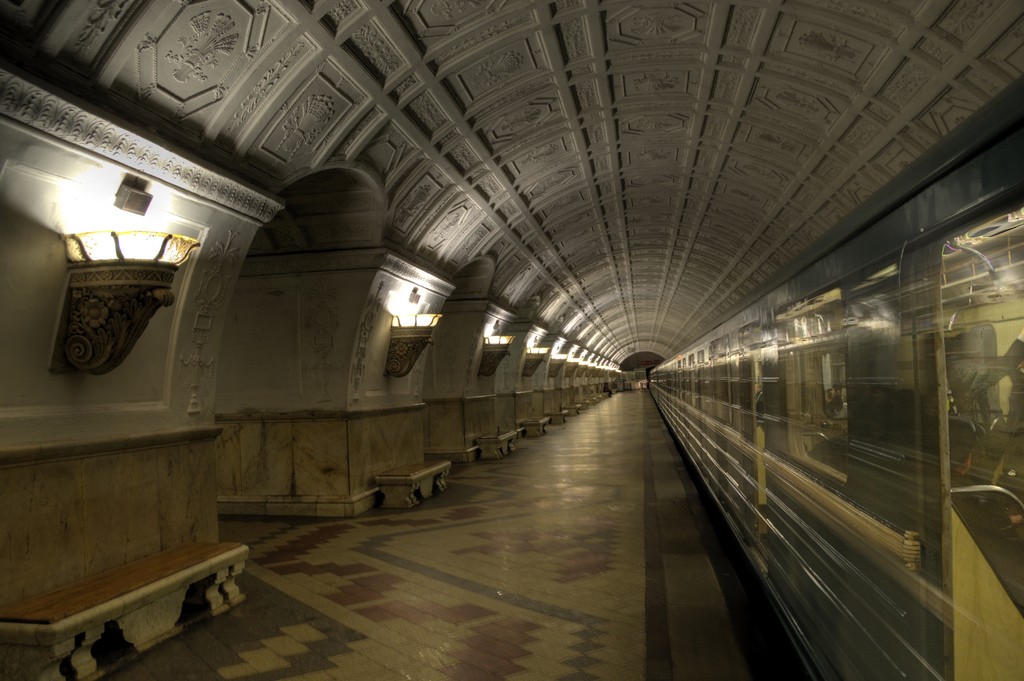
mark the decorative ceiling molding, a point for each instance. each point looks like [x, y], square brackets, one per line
[645, 165]
[31, 105]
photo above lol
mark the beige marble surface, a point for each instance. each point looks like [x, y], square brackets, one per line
[313, 463]
[85, 512]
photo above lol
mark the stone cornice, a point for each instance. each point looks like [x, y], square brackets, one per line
[340, 261]
[31, 105]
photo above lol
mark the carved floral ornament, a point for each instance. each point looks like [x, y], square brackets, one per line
[410, 335]
[495, 350]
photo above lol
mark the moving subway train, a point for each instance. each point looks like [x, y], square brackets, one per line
[861, 428]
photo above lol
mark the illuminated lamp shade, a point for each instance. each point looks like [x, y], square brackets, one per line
[117, 281]
[534, 358]
[410, 335]
[495, 350]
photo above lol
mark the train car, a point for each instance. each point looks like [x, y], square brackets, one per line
[861, 428]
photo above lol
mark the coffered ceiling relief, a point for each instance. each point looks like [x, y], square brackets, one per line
[636, 168]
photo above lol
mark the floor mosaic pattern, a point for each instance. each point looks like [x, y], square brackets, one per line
[528, 567]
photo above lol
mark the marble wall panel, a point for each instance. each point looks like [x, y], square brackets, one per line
[88, 510]
[524, 402]
[119, 521]
[41, 545]
[320, 457]
[228, 454]
[446, 429]
[479, 418]
[379, 441]
[266, 457]
[188, 493]
[552, 400]
[537, 404]
[505, 413]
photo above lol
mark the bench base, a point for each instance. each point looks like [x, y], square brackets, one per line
[536, 427]
[497, 446]
[46, 636]
[558, 417]
[405, 486]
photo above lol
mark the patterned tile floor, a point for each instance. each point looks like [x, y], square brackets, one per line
[580, 556]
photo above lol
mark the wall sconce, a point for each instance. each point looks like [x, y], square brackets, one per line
[534, 358]
[495, 350]
[117, 282]
[410, 335]
[555, 364]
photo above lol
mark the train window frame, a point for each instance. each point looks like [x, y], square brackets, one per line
[806, 339]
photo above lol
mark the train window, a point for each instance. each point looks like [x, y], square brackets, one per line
[983, 320]
[810, 394]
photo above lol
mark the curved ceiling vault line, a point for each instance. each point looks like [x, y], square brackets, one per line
[526, 216]
[436, 157]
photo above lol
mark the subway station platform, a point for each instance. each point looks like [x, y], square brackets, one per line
[583, 555]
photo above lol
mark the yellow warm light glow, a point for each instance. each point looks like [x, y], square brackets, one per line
[415, 320]
[172, 249]
[558, 356]
[537, 350]
[87, 202]
[498, 340]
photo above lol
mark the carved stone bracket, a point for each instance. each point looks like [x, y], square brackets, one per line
[531, 364]
[490, 360]
[405, 348]
[109, 306]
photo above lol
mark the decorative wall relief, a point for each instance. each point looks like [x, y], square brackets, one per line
[199, 55]
[320, 323]
[325, 103]
[213, 37]
[40, 110]
[104, 16]
[267, 83]
[376, 51]
[304, 124]
[211, 293]
[374, 305]
[449, 226]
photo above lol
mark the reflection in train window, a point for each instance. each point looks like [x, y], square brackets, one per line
[811, 391]
[983, 320]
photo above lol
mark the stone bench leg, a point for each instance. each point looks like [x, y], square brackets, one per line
[81, 659]
[400, 496]
[33, 663]
[152, 622]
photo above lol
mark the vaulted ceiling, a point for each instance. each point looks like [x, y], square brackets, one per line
[636, 167]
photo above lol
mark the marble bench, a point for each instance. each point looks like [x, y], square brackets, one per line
[558, 417]
[49, 637]
[404, 486]
[497, 446]
[536, 427]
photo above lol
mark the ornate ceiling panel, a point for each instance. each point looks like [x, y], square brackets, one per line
[638, 167]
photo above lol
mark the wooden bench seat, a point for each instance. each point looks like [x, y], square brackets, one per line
[497, 446]
[536, 427]
[44, 634]
[405, 486]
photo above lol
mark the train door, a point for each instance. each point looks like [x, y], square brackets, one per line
[750, 421]
[982, 313]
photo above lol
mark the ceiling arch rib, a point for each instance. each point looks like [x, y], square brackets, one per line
[638, 167]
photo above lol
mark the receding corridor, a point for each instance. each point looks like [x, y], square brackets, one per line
[529, 567]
